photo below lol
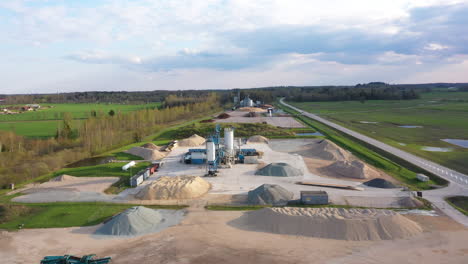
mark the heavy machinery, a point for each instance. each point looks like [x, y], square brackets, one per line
[68, 259]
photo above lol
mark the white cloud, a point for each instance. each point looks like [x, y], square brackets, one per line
[435, 47]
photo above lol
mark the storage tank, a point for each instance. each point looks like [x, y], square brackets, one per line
[210, 151]
[229, 140]
[249, 102]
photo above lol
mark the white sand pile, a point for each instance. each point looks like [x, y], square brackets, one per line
[334, 223]
[150, 146]
[146, 153]
[181, 187]
[251, 109]
[140, 220]
[193, 141]
[257, 139]
[63, 177]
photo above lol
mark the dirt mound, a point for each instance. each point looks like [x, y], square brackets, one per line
[325, 150]
[269, 194]
[280, 169]
[63, 177]
[251, 109]
[146, 153]
[380, 183]
[150, 146]
[140, 220]
[181, 187]
[334, 223]
[349, 169]
[257, 139]
[193, 141]
[223, 116]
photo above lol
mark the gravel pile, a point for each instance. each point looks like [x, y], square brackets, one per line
[257, 139]
[146, 153]
[139, 220]
[269, 194]
[168, 188]
[150, 146]
[193, 141]
[280, 169]
[380, 183]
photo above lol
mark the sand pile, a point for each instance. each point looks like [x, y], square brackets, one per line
[251, 109]
[181, 187]
[334, 223]
[146, 153]
[325, 150]
[140, 220]
[63, 177]
[349, 169]
[269, 194]
[380, 183]
[257, 139]
[193, 141]
[280, 169]
[150, 146]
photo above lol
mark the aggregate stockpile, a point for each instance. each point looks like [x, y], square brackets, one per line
[280, 169]
[333, 223]
[192, 141]
[140, 220]
[180, 187]
[342, 163]
[251, 109]
[269, 194]
[380, 183]
[257, 139]
[146, 153]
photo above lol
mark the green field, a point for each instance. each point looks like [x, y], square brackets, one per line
[460, 203]
[441, 114]
[62, 214]
[44, 122]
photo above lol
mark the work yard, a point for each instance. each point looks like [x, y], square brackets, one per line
[412, 125]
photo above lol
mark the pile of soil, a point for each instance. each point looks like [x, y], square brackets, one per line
[63, 177]
[207, 121]
[193, 141]
[324, 150]
[334, 223]
[168, 188]
[251, 109]
[269, 194]
[223, 116]
[146, 153]
[150, 146]
[279, 169]
[251, 114]
[380, 183]
[140, 220]
[349, 169]
[257, 139]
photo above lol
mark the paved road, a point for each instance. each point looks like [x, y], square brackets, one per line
[458, 181]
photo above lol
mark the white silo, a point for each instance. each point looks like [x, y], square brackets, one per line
[210, 151]
[250, 102]
[229, 140]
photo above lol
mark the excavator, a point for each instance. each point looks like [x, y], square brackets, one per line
[68, 259]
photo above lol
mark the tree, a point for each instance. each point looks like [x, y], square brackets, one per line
[111, 112]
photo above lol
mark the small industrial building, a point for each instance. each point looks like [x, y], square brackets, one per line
[422, 177]
[314, 197]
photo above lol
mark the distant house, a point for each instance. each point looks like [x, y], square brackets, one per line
[34, 106]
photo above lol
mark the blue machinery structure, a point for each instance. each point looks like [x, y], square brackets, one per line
[68, 259]
[213, 164]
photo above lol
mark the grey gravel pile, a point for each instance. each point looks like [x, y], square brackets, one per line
[380, 183]
[140, 220]
[280, 169]
[269, 194]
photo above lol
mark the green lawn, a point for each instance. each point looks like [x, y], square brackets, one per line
[62, 214]
[441, 114]
[460, 203]
[36, 129]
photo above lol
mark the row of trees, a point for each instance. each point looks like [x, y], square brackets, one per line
[25, 158]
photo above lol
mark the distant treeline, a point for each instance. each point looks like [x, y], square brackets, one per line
[25, 158]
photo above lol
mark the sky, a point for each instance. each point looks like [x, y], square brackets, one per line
[50, 46]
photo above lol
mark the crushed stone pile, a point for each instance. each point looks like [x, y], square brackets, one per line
[63, 177]
[180, 187]
[257, 139]
[380, 183]
[279, 169]
[140, 220]
[349, 169]
[251, 109]
[150, 146]
[333, 223]
[192, 141]
[269, 194]
[223, 116]
[146, 153]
